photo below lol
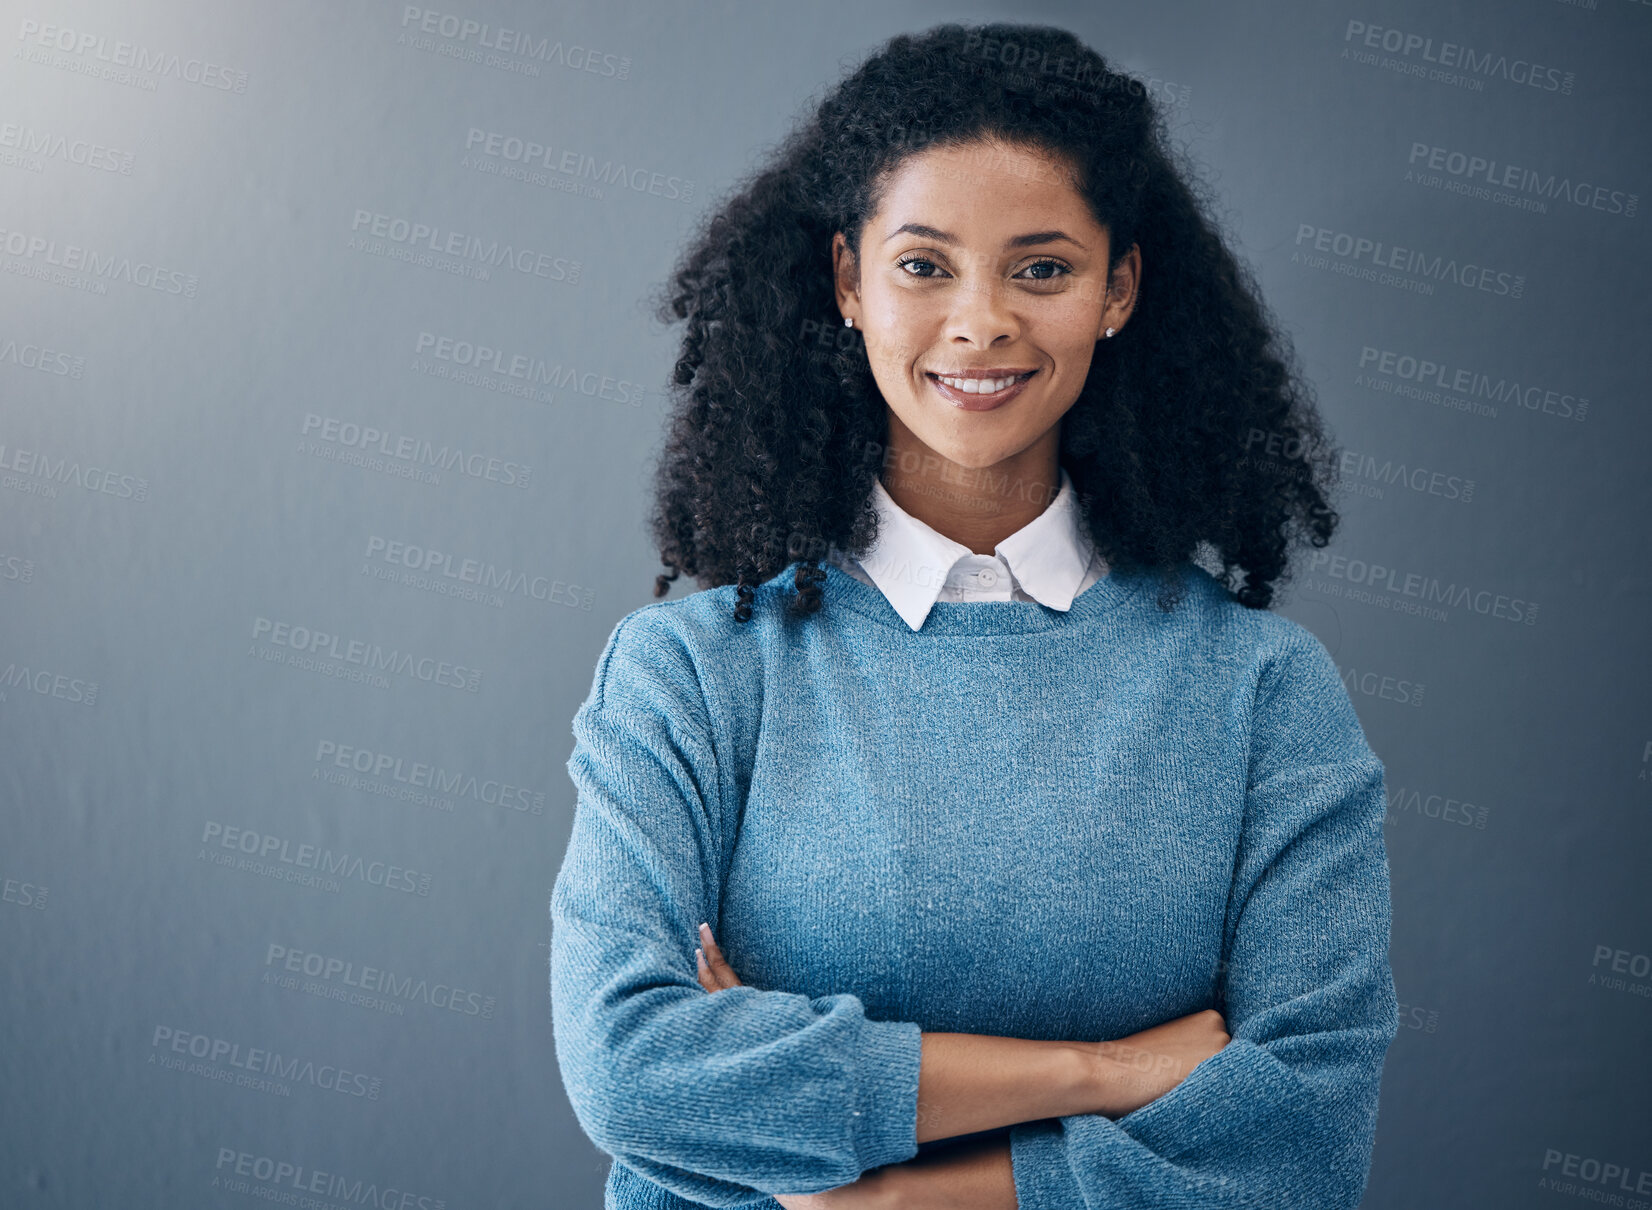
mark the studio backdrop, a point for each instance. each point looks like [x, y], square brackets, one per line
[329, 394]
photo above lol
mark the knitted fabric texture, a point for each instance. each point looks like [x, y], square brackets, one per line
[1015, 821]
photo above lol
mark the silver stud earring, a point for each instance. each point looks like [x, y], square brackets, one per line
[1110, 331]
[847, 322]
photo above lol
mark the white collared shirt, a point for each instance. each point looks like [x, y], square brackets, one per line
[1047, 561]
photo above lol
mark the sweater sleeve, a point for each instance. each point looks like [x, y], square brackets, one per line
[723, 1098]
[1285, 1114]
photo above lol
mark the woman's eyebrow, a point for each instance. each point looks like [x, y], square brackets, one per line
[1015, 241]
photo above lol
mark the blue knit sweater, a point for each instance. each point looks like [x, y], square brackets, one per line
[1014, 821]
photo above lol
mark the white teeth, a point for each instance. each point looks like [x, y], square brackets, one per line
[980, 386]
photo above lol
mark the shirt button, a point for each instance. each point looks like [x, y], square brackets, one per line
[987, 576]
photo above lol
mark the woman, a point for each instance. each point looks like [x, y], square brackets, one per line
[1044, 890]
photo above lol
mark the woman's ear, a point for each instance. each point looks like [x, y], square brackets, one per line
[845, 276]
[1122, 285]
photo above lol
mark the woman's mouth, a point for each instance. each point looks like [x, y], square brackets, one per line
[979, 394]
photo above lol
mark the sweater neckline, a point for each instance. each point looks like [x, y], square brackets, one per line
[982, 617]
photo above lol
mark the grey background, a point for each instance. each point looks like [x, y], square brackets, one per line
[1513, 715]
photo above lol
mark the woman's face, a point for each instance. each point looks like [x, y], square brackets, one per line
[979, 259]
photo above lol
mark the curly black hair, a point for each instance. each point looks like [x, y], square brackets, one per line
[1193, 438]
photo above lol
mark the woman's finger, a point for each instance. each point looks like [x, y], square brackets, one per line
[704, 973]
[721, 971]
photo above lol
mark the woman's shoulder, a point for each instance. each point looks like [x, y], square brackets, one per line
[671, 650]
[1257, 634]
[1297, 688]
[1280, 662]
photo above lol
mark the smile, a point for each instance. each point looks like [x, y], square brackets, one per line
[980, 394]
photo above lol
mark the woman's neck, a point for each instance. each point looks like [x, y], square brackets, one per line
[978, 507]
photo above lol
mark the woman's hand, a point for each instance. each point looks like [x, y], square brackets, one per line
[1143, 1066]
[875, 1190]
[713, 969]
[973, 1175]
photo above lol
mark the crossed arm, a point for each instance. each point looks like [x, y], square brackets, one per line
[721, 1098]
[977, 1084]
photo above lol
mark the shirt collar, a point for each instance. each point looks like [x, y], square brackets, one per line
[909, 562]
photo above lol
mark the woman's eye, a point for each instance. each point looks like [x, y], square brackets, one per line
[1061, 269]
[1055, 267]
